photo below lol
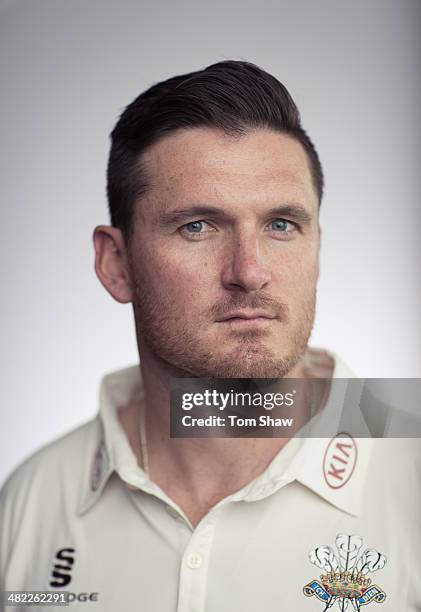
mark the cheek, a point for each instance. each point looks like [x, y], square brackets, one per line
[183, 282]
[295, 274]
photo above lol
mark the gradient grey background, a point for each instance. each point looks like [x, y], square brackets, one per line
[67, 70]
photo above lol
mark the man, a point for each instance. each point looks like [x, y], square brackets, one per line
[214, 191]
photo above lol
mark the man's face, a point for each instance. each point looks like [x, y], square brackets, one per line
[224, 254]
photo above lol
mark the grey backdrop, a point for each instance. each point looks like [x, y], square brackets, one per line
[67, 70]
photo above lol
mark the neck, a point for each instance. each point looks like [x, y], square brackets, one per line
[195, 472]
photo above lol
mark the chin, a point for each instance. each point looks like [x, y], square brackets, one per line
[250, 364]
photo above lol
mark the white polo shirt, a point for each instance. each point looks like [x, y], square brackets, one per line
[81, 516]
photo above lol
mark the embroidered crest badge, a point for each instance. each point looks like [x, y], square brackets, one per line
[345, 580]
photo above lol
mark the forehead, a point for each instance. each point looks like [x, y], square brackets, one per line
[207, 165]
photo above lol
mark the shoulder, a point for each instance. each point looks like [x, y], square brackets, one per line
[386, 420]
[42, 490]
[56, 457]
[56, 471]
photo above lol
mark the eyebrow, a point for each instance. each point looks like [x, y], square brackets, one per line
[293, 212]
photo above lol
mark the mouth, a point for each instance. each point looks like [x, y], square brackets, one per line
[247, 319]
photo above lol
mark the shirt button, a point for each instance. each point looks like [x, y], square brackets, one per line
[194, 560]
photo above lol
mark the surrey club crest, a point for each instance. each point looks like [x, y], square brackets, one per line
[346, 579]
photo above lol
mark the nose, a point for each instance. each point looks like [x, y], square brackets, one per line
[244, 268]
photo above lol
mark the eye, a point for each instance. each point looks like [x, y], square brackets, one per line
[196, 229]
[282, 226]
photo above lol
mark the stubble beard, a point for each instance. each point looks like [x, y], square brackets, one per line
[178, 346]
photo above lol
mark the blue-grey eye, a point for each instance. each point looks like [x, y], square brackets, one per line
[279, 224]
[194, 227]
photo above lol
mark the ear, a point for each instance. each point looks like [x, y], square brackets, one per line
[111, 262]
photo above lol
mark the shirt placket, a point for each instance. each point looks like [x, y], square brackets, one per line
[195, 565]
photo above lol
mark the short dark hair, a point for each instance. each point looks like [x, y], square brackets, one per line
[234, 96]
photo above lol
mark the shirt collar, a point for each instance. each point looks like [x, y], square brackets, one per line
[333, 462]
[334, 468]
[111, 450]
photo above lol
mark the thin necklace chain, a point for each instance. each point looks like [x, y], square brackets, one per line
[142, 436]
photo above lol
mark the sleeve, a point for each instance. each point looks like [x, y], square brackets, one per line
[14, 503]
